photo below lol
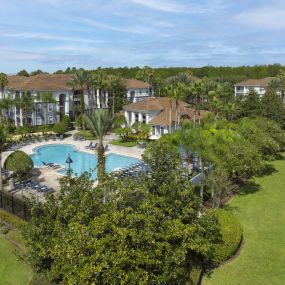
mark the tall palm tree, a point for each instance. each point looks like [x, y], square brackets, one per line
[27, 105]
[100, 122]
[177, 92]
[3, 83]
[114, 83]
[80, 80]
[4, 135]
[45, 98]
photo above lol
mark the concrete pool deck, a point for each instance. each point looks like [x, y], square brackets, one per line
[51, 177]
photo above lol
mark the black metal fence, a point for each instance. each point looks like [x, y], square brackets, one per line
[14, 205]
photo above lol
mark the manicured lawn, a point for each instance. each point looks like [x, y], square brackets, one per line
[13, 271]
[262, 214]
[126, 144]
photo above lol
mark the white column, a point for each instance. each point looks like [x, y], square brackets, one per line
[147, 118]
[127, 117]
[66, 107]
[15, 116]
[133, 118]
[106, 98]
[140, 117]
[98, 97]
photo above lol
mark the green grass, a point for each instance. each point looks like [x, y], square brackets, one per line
[262, 214]
[88, 135]
[13, 271]
[121, 143]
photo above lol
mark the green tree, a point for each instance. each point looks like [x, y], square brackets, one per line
[150, 231]
[23, 73]
[251, 105]
[100, 122]
[79, 80]
[177, 92]
[219, 185]
[117, 88]
[273, 108]
[4, 136]
[20, 163]
[45, 98]
[26, 103]
[145, 74]
[3, 83]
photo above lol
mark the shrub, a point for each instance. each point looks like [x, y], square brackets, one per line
[20, 163]
[60, 128]
[231, 236]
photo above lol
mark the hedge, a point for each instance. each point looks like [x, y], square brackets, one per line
[231, 235]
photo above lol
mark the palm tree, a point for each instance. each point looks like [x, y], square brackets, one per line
[145, 74]
[176, 92]
[3, 83]
[27, 104]
[45, 98]
[100, 122]
[80, 80]
[4, 135]
[114, 83]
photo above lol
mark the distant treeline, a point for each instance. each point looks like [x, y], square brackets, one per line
[222, 73]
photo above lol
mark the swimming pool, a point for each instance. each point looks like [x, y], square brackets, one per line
[82, 161]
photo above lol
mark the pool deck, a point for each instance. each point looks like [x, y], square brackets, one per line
[50, 177]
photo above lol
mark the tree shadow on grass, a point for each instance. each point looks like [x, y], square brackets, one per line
[249, 188]
[268, 169]
[280, 156]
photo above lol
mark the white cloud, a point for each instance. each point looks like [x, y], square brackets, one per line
[135, 29]
[267, 17]
[42, 36]
[192, 7]
[162, 5]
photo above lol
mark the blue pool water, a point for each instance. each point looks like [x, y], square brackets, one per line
[82, 161]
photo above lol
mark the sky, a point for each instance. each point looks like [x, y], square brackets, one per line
[55, 34]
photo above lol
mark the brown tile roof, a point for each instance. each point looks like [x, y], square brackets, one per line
[54, 82]
[136, 84]
[40, 82]
[166, 108]
[255, 82]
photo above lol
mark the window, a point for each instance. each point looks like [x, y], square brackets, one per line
[39, 107]
[50, 107]
[50, 119]
[39, 121]
[144, 118]
[162, 131]
[240, 88]
[136, 117]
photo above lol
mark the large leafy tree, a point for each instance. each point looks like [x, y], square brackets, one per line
[148, 232]
[273, 108]
[100, 122]
[250, 106]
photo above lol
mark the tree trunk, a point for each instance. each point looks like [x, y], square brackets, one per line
[113, 109]
[101, 162]
[202, 185]
[82, 105]
[1, 180]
